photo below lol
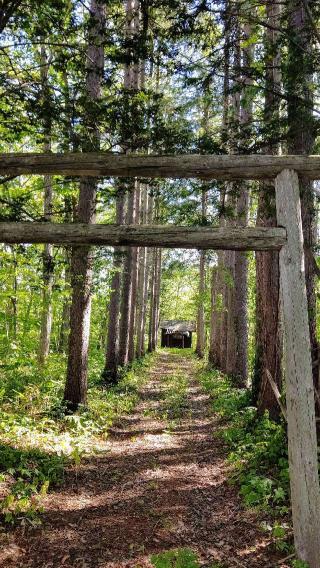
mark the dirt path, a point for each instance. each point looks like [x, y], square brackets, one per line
[160, 485]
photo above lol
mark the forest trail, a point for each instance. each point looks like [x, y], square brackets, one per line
[159, 484]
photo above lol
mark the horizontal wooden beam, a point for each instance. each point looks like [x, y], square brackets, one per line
[169, 236]
[185, 166]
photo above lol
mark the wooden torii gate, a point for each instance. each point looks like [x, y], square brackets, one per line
[287, 237]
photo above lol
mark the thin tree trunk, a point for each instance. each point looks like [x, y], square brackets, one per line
[242, 209]
[126, 297]
[82, 257]
[46, 316]
[214, 356]
[14, 297]
[201, 332]
[134, 277]
[156, 313]
[227, 269]
[65, 316]
[110, 373]
[152, 288]
[230, 313]
[142, 279]
[155, 285]
[129, 282]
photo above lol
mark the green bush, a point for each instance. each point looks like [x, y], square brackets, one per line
[38, 439]
[258, 449]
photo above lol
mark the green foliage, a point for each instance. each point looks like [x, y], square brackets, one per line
[258, 450]
[38, 439]
[181, 558]
[299, 564]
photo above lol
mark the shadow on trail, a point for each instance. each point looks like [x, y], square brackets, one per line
[160, 485]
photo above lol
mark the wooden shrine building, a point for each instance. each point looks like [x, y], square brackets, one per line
[177, 333]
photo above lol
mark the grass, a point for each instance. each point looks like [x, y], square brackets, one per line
[38, 440]
[180, 558]
[175, 402]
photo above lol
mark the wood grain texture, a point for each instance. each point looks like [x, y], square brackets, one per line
[302, 441]
[169, 236]
[225, 167]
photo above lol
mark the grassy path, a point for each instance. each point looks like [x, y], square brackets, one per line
[160, 483]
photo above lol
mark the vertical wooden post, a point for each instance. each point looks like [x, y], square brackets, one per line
[302, 441]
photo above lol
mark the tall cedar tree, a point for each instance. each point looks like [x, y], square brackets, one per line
[268, 330]
[82, 257]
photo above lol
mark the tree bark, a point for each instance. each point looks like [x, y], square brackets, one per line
[268, 346]
[82, 257]
[240, 371]
[155, 286]
[48, 275]
[241, 299]
[214, 356]
[126, 296]
[134, 276]
[201, 337]
[110, 372]
[129, 283]
[65, 316]
[142, 279]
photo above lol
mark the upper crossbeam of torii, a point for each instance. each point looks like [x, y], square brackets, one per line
[220, 167]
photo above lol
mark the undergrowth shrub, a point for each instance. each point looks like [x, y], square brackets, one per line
[257, 452]
[38, 439]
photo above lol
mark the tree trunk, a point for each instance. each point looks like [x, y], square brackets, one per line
[126, 296]
[69, 214]
[201, 337]
[230, 313]
[110, 372]
[214, 356]
[268, 329]
[134, 277]
[242, 211]
[156, 313]
[46, 316]
[142, 280]
[155, 286]
[129, 283]
[241, 299]
[82, 256]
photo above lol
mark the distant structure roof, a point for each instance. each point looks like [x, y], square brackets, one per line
[178, 325]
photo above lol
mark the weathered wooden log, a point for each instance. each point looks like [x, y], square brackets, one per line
[169, 236]
[226, 167]
[302, 439]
